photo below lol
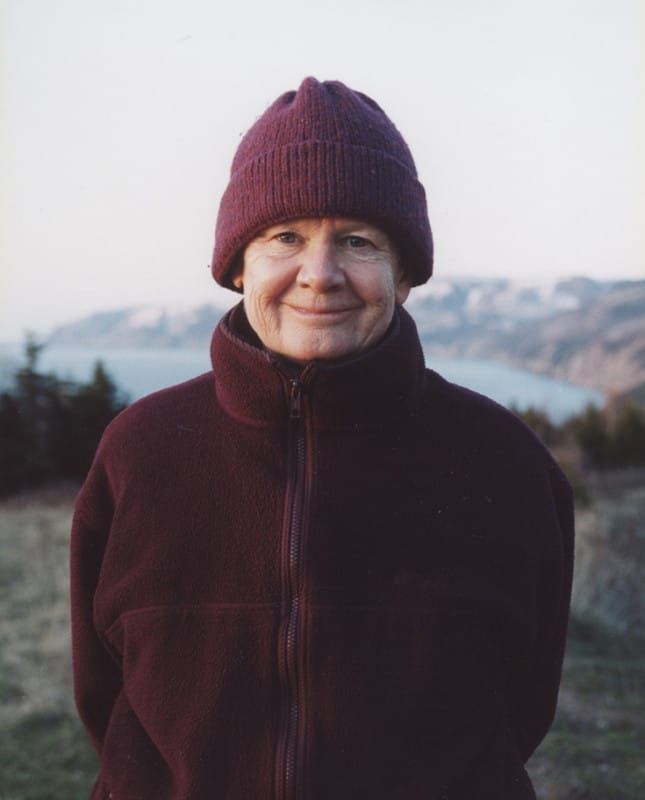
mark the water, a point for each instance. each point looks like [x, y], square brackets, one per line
[139, 371]
[517, 387]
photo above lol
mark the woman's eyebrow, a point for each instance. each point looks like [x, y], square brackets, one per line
[267, 234]
[357, 228]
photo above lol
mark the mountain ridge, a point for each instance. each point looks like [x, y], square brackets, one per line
[588, 332]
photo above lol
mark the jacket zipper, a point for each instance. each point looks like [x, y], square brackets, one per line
[295, 517]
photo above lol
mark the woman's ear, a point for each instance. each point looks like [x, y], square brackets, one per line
[237, 271]
[403, 286]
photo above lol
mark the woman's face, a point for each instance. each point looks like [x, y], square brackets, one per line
[321, 288]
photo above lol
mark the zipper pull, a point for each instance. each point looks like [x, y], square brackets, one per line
[295, 400]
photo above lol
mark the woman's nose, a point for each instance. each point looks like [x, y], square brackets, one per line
[321, 269]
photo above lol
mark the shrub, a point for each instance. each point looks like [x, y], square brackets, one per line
[627, 443]
[591, 432]
[49, 428]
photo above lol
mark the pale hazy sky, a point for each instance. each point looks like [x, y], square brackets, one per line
[120, 119]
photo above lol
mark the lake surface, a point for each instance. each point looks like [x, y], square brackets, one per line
[139, 371]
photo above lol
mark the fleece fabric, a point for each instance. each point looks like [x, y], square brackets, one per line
[347, 583]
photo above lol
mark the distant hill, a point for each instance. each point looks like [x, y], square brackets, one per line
[144, 326]
[589, 332]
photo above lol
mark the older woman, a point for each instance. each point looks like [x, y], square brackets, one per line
[319, 571]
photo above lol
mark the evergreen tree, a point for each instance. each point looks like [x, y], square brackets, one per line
[14, 446]
[49, 428]
[592, 435]
[37, 402]
[627, 445]
[90, 408]
[540, 424]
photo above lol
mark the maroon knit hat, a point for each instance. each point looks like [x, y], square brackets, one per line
[324, 151]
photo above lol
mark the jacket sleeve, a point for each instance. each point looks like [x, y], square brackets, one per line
[97, 677]
[535, 673]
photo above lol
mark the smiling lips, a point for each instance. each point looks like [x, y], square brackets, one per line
[321, 312]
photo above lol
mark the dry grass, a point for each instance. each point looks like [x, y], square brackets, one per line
[596, 748]
[43, 751]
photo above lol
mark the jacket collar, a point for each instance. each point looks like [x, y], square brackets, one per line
[375, 389]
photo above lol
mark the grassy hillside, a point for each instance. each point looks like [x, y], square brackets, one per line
[594, 752]
[596, 745]
[43, 752]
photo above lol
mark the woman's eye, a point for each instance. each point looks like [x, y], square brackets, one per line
[357, 241]
[286, 237]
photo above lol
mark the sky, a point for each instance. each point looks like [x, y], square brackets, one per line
[120, 119]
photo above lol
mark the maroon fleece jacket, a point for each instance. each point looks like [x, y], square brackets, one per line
[348, 583]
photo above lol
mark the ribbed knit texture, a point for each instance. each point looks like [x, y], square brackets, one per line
[324, 150]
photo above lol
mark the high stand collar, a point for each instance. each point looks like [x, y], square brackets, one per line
[376, 389]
